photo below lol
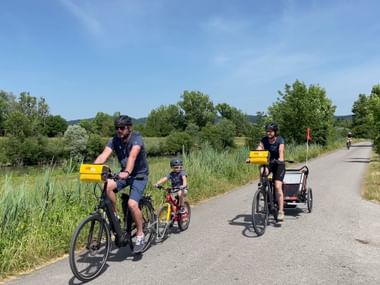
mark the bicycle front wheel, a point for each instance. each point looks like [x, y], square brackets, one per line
[89, 248]
[259, 212]
[149, 219]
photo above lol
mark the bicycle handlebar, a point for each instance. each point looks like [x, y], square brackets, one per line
[170, 189]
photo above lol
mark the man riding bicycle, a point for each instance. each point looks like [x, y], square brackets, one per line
[276, 146]
[129, 148]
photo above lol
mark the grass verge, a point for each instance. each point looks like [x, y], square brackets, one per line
[371, 189]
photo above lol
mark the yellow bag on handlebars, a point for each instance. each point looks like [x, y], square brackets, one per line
[259, 157]
[93, 172]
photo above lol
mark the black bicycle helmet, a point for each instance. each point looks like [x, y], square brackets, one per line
[271, 127]
[175, 162]
[123, 121]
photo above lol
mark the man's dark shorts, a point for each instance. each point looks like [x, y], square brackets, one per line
[278, 170]
[137, 186]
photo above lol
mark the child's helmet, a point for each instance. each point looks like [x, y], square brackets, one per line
[175, 162]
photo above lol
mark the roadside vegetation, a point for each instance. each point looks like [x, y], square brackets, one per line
[42, 199]
[40, 208]
[371, 189]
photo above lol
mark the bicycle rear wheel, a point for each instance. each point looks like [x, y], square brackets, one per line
[163, 221]
[184, 219]
[89, 248]
[259, 212]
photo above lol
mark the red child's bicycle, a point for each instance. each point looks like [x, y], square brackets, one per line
[169, 213]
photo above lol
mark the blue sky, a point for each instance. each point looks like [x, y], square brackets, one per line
[89, 56]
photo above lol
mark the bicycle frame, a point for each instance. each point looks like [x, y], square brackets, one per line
[173, 205]
[266, 184]
[122, 235]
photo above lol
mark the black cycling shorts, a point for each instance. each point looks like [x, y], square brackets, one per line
[278, 170]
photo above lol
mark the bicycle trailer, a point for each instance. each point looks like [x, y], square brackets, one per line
[295, 188]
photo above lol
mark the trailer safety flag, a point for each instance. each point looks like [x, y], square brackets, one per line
[308, 134]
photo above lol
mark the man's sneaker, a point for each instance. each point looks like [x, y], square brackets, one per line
[280, 216]
[139, 244]
[182, 210]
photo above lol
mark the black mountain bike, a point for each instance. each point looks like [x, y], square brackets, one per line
[91, 242]
[264, 203]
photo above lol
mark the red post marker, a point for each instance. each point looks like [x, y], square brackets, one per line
[308, 134]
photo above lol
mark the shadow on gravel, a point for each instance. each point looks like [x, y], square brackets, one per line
[294, 212]
[245, 221]
[358, 160]
[362, 145]
[123, 253]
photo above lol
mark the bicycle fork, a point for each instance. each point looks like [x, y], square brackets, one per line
[167, 218]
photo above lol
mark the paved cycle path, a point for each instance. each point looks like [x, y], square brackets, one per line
[338, 243]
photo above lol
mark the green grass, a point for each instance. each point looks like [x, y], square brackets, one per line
[40, 207]
[371, 189]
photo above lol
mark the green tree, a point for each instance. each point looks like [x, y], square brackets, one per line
[88, 125]
[55, 126]
[104, 124]
[237, 117]
[176, 142]
[75, 139]
[220, 135]
[363, 121]
[164, 120]
[95, 146]
[374, 107]
[26, 151]
[198, 108]
[7, 106]
[256, 131]
[300, 107]
[18, 125]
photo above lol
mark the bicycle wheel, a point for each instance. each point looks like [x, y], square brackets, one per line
[163, 221]
[89, 248]
[309, 199]
[259, 212]
[149, 220]
[184, 219]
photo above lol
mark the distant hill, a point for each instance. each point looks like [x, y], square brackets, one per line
[344, 118]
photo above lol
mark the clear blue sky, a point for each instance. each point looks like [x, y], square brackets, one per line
[89, 56]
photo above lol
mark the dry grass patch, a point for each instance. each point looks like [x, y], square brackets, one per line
[371, 189]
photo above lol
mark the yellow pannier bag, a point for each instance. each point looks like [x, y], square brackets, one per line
[93, 172]
[259, 157]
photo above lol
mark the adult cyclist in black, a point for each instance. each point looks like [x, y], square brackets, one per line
[276, 146]
[349, 140]
[130, 151]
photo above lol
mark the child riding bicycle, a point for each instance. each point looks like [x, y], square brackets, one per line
[178, 179]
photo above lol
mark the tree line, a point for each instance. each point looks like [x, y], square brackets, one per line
[26, 124]
[366, 119]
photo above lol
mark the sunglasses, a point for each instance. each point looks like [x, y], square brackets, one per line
[120, 128]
